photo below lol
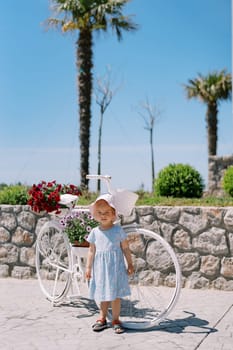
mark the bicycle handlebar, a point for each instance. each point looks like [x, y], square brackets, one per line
[99, 177]
[106, 178]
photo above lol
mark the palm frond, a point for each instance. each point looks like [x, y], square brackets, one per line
[212, 88]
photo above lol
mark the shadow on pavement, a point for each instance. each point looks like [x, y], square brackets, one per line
[88, 307]
[182, 325]
[190, 324]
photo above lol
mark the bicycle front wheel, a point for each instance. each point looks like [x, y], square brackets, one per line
[53, 261]
[156, 282]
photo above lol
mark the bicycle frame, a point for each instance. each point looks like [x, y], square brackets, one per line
[105, 178]
[62, 257]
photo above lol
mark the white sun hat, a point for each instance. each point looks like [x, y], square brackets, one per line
[105, 197]
[123, 201]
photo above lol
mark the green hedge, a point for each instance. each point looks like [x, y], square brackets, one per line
[179, 180]
[228, 181]
[14, 194]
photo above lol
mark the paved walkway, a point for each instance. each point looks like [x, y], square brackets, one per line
[201, 320]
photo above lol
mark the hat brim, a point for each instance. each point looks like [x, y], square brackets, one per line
[123, 201]
[108, 198]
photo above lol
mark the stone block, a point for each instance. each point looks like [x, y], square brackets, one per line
[4, 235]
[189, 261]
[22, 237]
[196, 281]
[21, 272]
[211, 242]
[27, 256]
[227, 267]
[9, 254]
[182, 240]
[210, 265]
[4, 271]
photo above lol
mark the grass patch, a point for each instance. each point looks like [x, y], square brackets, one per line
[146, 198]
[17, 194]
[200, 202]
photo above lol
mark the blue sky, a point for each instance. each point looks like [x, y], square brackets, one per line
[176, 40]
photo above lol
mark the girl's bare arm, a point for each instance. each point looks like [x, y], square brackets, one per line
[127, 254]
[90, 258]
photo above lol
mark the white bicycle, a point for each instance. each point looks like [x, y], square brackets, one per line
[155, 284]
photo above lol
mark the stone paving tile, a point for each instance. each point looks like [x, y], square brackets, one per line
[202, 319]
[223, 339]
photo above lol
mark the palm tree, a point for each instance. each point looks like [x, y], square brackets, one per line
[211, 89]
[86, 17]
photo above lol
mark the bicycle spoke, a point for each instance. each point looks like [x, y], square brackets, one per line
[155, 267]
[53, 262]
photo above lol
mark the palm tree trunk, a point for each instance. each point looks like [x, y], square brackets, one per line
[84, 65]
[212, 126]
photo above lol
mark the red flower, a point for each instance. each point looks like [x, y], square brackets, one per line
[46, 196]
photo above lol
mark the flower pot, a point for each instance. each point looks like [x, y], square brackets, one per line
[83, 244]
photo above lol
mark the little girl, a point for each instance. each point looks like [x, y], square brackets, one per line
[105, 269]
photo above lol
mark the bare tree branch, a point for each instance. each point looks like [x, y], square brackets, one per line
[150, 114]
[103, 94]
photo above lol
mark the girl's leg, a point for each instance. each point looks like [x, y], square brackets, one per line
[101, 323]
[116, 309]
[104, 305]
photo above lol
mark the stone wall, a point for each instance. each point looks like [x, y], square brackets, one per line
[18, 231]
[216, 168]
[202, 238]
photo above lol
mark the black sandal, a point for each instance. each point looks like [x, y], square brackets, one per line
[100, 325]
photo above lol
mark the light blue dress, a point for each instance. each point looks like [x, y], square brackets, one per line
[109, 275]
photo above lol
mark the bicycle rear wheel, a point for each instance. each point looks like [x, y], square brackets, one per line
[156, 283]
[53, 262]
